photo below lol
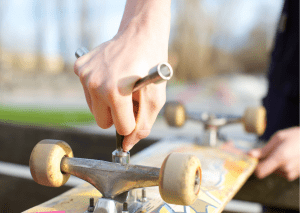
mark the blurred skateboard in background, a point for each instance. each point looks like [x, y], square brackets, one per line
[222, 173]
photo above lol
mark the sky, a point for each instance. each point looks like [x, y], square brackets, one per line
[21, 18]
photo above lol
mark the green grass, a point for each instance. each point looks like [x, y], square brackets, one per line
[44, 116]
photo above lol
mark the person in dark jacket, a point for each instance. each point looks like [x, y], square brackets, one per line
[282, 152]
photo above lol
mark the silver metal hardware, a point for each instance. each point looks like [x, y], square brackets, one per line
[91, 206]
[144, 198]
[109, 178]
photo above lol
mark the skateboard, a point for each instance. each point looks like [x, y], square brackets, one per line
[165, 177]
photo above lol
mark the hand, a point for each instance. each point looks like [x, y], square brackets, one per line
[281, 155]
[108, 74]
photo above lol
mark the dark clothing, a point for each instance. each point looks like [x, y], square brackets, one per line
[282, 100]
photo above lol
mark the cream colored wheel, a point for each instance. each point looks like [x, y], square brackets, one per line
[175, 114]
[45, 162]
[254, 120]
[180, 179]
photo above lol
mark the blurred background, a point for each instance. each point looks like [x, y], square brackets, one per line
[208, 38]
[217, 46]
[219, 50]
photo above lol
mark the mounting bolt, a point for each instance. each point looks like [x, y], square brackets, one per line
[144, 198]
[125, 208]
[91, 206]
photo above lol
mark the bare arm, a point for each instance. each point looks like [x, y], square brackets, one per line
[108, 72]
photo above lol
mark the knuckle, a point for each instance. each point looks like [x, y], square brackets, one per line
[93, 85]
[83, 74]
[97, 84]
[124, 131]
[280, 135]
[110, 90]
[78, 63]
[78, 66]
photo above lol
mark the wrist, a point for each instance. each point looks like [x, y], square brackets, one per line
[149, 18]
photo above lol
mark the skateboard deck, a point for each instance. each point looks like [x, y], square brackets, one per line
[223, 174]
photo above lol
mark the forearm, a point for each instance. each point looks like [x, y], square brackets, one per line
[150, 17]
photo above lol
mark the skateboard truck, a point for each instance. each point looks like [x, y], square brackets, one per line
[254, 120]
[52, 162]
[111, 179]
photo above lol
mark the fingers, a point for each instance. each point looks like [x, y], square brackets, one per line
[107, 105]
[267, 166]
[269, 157]
[255, 153]
[101, 112]
[281, 159]
[92, 90]
[292, 175]
[105, 78]
[146, 106]
[290, 171]
[122, 115]
[275, 140]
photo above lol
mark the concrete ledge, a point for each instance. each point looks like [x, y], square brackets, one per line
[18, 194]
[17, 142]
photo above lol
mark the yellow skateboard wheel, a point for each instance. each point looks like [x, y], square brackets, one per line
[254, 120]
[175, 114]
[45, 160]
[180, 179]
